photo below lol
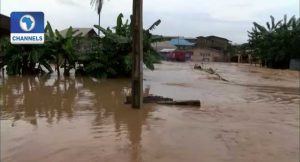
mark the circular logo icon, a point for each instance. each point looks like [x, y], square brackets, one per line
[27, 23]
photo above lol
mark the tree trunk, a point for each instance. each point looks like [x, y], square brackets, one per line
[57, 66]
[99, 24]
[66, 71]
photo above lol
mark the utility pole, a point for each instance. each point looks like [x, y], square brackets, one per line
[137, 66]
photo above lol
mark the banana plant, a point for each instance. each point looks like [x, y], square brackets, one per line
[62, 48]
[117, 45]
[22, 59]
[276, 43]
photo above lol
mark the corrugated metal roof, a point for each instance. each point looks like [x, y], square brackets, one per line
[163, 45]
[167, 50]
[180, 42]
[216, 37]
[84, 31]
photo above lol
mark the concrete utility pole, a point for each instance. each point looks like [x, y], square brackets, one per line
[137, 66]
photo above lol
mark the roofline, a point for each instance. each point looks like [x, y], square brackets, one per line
[213, 36]
[76, 28]
[217, 37]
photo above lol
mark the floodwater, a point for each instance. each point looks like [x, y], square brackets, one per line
[254, 117]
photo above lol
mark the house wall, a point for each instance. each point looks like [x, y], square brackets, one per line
[212, 42]
[86, 44]
[158, 46]
[217, 43]
[203, 42]
[209, 55]
[92, 33]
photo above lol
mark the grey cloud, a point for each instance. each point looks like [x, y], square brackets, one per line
[231, 18]
[197, 24]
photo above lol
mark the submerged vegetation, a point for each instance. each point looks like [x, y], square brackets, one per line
[109, 56]
[276, 43]
[114, 57]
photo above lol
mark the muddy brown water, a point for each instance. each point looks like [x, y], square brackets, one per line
[253, 117]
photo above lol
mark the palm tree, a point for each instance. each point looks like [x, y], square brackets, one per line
[98, 6]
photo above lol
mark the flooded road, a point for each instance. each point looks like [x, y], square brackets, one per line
[252, 117]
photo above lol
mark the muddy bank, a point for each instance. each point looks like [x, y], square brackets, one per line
[254, 117]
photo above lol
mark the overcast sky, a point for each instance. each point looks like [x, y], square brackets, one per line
[226, 18]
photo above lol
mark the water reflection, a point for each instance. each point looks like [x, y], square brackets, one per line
[84, 119]
[27, 98]
[33, 99]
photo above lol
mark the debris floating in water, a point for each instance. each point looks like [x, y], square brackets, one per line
[165, 101]
[210, 71]
[184, 103]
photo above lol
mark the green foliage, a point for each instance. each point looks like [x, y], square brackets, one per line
[113, 58]
[107, 57]
[238, 49]
[22, 59]
[29, 59]
[62, 47]
[276, 43]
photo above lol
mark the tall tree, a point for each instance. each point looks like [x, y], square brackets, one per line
[98, 7]
[276, 43]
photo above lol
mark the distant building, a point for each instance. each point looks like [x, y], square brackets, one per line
[214, 42]
[181, 43]
[4, 26]
[191, 39]
[165, 45]
[210, 49]
[183, 52]
[88, 36]
[85, 32]
[165, 49]
[208, 55]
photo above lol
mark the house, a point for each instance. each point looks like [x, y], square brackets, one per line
[214, 42]
[181, 43]
[88, 36]
[191, 39]
[218, 43]
[4, 26]
[210, 49]
[183, 52]
[85, 32]
[207, 55]
[165, 46]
